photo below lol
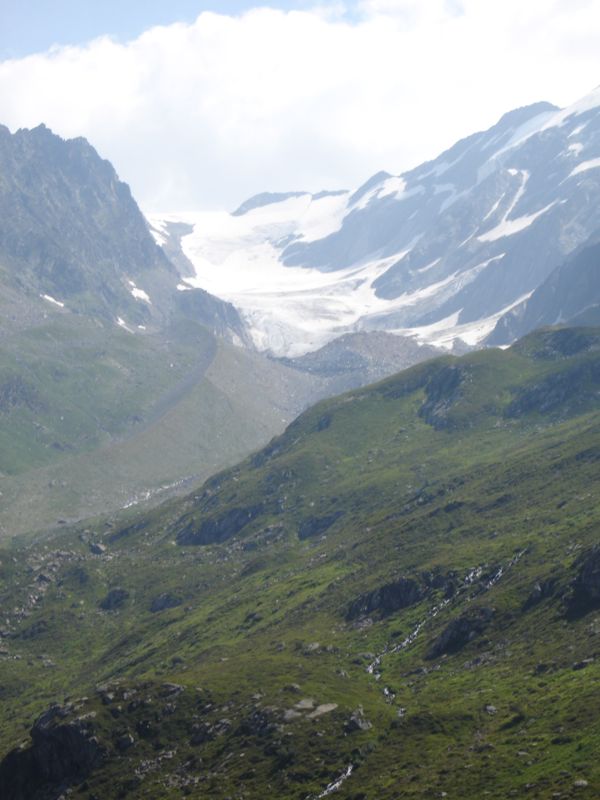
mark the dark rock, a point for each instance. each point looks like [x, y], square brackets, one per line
[146, 729]
[324, 422]
[568, 389]
[443, 390]
[61, 753]
[313, 526]
[542, 590]
[583, 664]
[35, 630]
[130, 530]
[171, 690]
[252, 618]
[201, 733]
[124, 742]
[164, 601]
[257, 724]
[584, 592]
[386, 599]
[114, 600]
[218, 529]
[357, 722]
[460, 632]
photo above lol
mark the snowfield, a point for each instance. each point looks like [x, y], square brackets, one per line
[439, 261]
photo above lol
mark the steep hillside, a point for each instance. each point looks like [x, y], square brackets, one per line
[570, 294]
[439, 253]
[398, 597]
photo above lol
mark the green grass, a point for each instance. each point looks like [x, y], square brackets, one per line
[474, 486]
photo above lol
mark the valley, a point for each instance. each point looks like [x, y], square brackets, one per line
[302, 500]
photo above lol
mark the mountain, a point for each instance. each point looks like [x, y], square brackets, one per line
[115, 386]
[571, 293]
[356, 359]
[120, 384]
[439, 253]
[72, 235]
[398, 597]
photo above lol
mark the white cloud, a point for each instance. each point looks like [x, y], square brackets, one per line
[203, 115]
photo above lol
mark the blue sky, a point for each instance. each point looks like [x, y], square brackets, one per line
[29, 26]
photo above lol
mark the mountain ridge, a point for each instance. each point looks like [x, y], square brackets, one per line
[440, 253]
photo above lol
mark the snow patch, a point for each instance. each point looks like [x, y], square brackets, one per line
[394, 186]
[429, 266]
[446, 331]
[508, 227]
[52, 300]
[139, 294]
[158, 230]
[122, 324]
[593, 163]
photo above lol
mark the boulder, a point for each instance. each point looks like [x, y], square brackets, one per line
[357, 722]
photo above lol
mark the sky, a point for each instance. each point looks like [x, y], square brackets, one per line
[200, 105]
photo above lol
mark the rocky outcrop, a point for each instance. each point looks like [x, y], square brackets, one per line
[386, 599]
[561, 392]
[584, 594]
[314, 526]
[442, 391]
[460, 632]
[542, 590]
[61, 753]
[218, 529]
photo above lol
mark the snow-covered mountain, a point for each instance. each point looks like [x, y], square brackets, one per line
[570, 295]
[440, 253]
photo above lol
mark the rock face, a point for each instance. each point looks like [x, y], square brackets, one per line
[218, 529]
[386, 599]
[314, 526]
[70, 230]
[585, 588]
[561, 392]
[69, 223]
[542, 590]
[442, 391]
[61, 753]
[570, 294]
[460, 632]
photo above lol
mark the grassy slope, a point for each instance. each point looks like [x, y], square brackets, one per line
[95, 417]
[471, 480]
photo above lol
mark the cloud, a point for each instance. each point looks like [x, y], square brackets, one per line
[203, 115]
